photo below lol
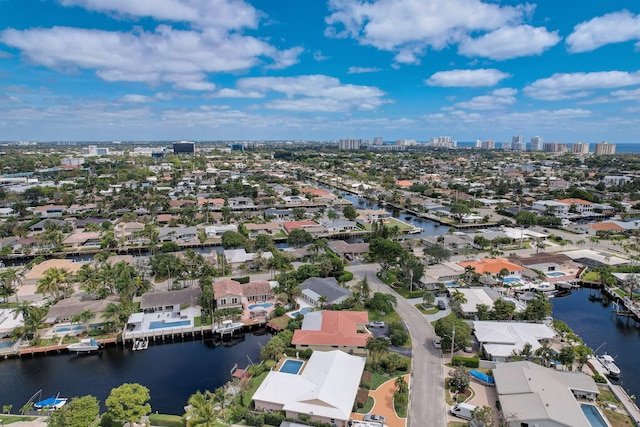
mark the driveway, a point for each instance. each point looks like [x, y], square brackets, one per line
[427, 376]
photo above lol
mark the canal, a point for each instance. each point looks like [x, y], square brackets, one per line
[171, 371]
[591, 318]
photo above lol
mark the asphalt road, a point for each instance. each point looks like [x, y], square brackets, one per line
[426, 405]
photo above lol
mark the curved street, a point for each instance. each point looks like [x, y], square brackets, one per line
[427, 375]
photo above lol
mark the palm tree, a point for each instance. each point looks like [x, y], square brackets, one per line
[53, 281]
[118, 313]
[12, 277]
[201, 412]
[377, 346]
[83, 317]
[401, 385]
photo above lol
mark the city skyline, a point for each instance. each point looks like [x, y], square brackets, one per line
[255, 70]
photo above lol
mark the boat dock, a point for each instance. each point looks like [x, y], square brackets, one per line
[629, 405]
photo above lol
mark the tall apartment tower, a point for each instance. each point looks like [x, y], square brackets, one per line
[506, 145]
[604, 148]
[580, 148]
[536, 143]
[377, 140]
[488, 144]
[517, 143]
[349, 144]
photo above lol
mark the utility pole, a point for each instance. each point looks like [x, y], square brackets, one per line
[453, 339]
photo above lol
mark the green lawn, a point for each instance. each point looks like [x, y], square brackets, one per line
[432, 310]
[367, 406]
[163, 420]
[616, 419]
[281, 321]
[254, 383]
[10, 419]
[591, 276]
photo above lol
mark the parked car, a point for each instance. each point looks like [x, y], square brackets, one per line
[374, 417]
[437, 343]
[462, 410]
[377, 324]
[441, 305]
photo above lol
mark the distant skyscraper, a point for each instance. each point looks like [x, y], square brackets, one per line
[377, 140]
[580, 148]
[555, 147]
[349, 144]
[536, 143]
[443, 141]
[604, 148]
[517, 143]
[489, 144]
[184, 147]
[94, 150]
[506, 145]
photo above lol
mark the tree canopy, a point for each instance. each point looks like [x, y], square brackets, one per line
[129, 402]
[78, 412]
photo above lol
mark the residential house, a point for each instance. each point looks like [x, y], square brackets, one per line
[445, 272]
[315, 288]
[269, 229]
[499, 340]
[82, 239]
[334, 330]
[560, 266]
[49, 211]
[292, 225]
[9, 321]
[279, 214]
[173, 301]
[129, 231]
[294, 200]
[583, 207]
[240, 202]
[66, 309]
[551, 207]
[533, 395]
[493, 266]
[324, 391]
[340, 225]
[230, 293]
[37, 271]
[345, 249]
[174, 234]
[42, 225]
[218, 230]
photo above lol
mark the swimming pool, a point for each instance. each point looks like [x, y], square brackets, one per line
[68, 328]
[555, 274]
[263, 305]
[302, 311]
[161, 325]
[593, 415]
[291, 366]
[5, 344]
[510, 280]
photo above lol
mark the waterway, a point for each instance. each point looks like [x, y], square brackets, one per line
[172, 372]
[594, 322]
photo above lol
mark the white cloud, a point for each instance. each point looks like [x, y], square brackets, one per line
[362, 70]
[574, 85]
[510, 42]
[211, 42]
[497, 99]
[467, 78]
[136, 98]
[627, 95]
[303, 91]
[221, 14]
[235, 93]
[613, 27]
[410, 27]
[318, 56]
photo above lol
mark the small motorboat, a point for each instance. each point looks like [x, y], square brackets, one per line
[51, 403]
[86, 345]
[609, 364]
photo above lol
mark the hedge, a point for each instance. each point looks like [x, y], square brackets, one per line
[242, 280]
[469, 362]
[345, 277]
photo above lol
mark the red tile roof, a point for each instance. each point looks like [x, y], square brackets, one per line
[292, 225]
[338, 328]
[492, 265]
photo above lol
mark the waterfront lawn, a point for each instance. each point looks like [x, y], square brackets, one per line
[163, 420]
[606, 395]
[591, 276]
[10, 419]
[254, 383]
[202, 321]
[280, 322]
[616, 419]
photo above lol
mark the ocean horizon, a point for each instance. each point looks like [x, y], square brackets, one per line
[621, 147]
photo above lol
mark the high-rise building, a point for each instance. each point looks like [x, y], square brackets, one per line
[442, 141]
[604, 148]
[377, 140]
[94, 150]
[536, 143]
[555, 147]
[580, 148]
[517, 143]
[488, 144]
[184, 147]
[506, 145]
[349, 144]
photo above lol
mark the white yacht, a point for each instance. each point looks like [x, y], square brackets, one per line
[86, 345]
[609, 364]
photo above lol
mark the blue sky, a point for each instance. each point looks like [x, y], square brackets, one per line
[314, 69]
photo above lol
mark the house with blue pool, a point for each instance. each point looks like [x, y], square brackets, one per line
[324, 388]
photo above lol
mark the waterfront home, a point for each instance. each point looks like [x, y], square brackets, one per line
[240, 202]
[582, 207]
[531, 394]
[269, 229]
[292, 225]
[557, 267]
[129, 231]
[37, 272]
[170, 300]
[551, 207]
[499, 340]
[330, 330]
[82, 239]
[230, 293]
[339, 225]
[367, 216]
[279, 214]
[324, 390]
[42, 225]
[49, 211]
[593, 258]
[9, 321]
[218, 230]
[494, 266]
[66, 309]
[314, 288]
[176, 234]
[345, 249]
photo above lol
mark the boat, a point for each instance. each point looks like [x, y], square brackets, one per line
[51, 403]
[141, 344]
[227, 326]
[609, 365]
[86, 345]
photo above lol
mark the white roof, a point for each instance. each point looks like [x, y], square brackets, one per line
[326, 387]
[474, 297]
[9, 320]
[534, 393]
[502, 338]
[136, 318]
[602, 257]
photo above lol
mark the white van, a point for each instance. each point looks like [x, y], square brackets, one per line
[462, 410]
